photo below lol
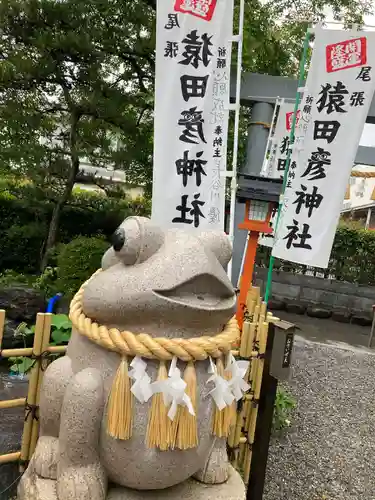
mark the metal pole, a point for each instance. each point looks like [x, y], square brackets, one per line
[298, 96]
[256, 143]
[243, 261]
[236, 130]
[368, 219]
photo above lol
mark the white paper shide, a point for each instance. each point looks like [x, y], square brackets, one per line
[193, 56]
[337, 97]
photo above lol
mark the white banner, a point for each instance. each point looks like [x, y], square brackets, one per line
[280, 141]
[337, 97]
[193, 57]
[267, 239]
[276, 164]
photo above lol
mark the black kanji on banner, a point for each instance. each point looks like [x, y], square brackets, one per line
[364, 74]
[326, 130]
[332, 98]
[172, 22]
[194, 210]
[171, 50]
[187, 167]
[192, 121]
[193, 86]
[316, 165]
[307, 200]
[197, 50]
[294, 235]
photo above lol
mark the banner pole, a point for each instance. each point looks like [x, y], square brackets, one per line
[301, 77]
[233, 190]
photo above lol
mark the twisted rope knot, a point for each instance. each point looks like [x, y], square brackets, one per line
[144, 345]
[32, 410]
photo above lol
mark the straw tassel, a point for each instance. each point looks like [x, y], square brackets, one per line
[187, 431]
[120, 404]
[158, 422]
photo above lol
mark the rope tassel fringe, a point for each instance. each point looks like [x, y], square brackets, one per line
[120, 404]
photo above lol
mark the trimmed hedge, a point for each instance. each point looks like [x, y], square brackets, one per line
[24, 224]
[77, 261]
[352, 258]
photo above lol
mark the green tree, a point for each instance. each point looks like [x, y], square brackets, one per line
[75, 83]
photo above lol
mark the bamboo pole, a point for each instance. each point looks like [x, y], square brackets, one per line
[262, 349]
[57, 349]
[235, 434]
[10, 457]
[256, 292]
[247, 463]
[250, 306]
[247, 411]
[238, 427]
[28, 351]
[242, 453]
[257, 382]
[33, 384]
[45, 342]
[263, 309]
[12, 403]
[253, 354]
[252, 423]
[244, 338]
[250, 341]
[8, 353]
[235, 454]
[2, 323]
[256, 314]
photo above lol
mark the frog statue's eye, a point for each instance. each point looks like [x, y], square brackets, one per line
[135, 241]
[118, 239]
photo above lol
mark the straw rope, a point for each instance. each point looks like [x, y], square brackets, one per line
[144, 345]
[357, 173]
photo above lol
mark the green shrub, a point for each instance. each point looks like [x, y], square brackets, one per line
[61, 330]
[77, 261]
[352, 257]
[21, 247]
[24, 223]
[47, 282]
[285, 404]
[10, 277]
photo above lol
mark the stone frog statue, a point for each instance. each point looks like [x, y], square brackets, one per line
[169, 284]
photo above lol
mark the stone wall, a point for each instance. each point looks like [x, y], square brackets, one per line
[319, 297]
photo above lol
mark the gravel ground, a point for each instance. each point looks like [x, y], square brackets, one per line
[329, 451]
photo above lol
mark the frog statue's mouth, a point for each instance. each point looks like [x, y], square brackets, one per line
[205, 292]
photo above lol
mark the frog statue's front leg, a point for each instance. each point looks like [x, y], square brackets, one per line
[55, 383]
[80, 475]
[216, 468]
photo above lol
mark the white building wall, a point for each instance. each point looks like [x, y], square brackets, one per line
[360, 189]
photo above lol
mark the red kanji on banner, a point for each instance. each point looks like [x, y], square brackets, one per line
[203, 9]
[289, 119]
[348, 54]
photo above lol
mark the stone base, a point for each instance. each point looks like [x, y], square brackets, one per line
[32, 487]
